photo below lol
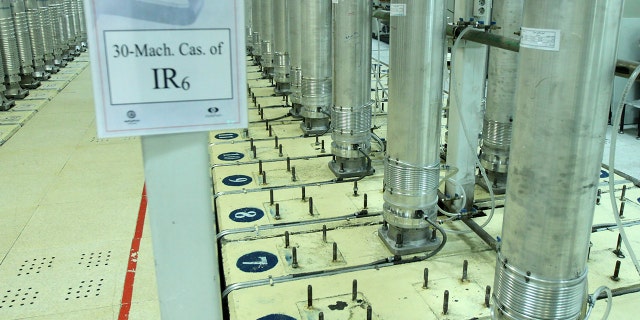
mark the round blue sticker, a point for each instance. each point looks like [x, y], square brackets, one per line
[230, 156]
[258, 261]
[226, 136]
[246, 214]
[638, 200]
[237, 180]
[604, 174]
[276, 317]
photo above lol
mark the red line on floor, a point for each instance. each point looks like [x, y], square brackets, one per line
[127, 292]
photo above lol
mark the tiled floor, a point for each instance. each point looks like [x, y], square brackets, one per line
[68, 209]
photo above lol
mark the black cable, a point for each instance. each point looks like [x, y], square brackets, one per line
[273, 119]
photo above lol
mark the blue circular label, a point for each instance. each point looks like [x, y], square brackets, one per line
[638, 200]
[226, 136]
[604, 174]
[230, 156]
[237, 180]
[258, 261]
[246, 214]
[276, 317]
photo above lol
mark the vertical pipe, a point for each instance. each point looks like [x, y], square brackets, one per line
[248, 23]
[34, 23]
[415, 92]
[501, 87]
[316, 66]
[351, 111]
[23, 43]
[47, 34]
[82, 25]
[280, 45]
[9, 48]
[294, 14]
[266, 33]
[256, 26]
[464, 121]
[562, 93]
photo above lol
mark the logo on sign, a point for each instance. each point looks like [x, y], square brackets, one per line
[258, 261]
[131, 114]
[237, 180]
[230, 156]
[226, 136]
[246, 214]
[277, 317]
[604, 174]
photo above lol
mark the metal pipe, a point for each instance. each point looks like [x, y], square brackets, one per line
[23, 43]
[317, 68]
[256, 26]
[248, 24]
[501, 87]
[34, 22]
[550, 201]
[281, 62]
[484, 235]
[351, 111]
[9, 48]
[266, 34]
[59, 37]
[82, 25]
[294, 14]
[415, 92]
[46, 32]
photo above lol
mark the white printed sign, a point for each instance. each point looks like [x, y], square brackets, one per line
[167, 66]
[540, 39]
[398, 10]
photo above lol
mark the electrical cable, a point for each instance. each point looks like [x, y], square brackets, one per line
[273, 119]
[612, 158]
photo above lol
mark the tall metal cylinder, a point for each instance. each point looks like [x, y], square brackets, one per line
[5, 104]
[82, 24]
[23, 41]
[256, 26]
[351, 111]
[413, 135]
[317, 70]
[266, 32]
[10, 54]
[294, 15]
[46, 32]
[248, 7]
[281, 62]
[74, 26]
[60, 46]
[564, 85]
[35, 36]
[501, 87]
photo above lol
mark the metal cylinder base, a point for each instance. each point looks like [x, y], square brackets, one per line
[6, 104]
[282, 88]
[28, 81]
[295, 110]
[14, 91]
[410, 241]
[498, 182]
[315, 126]
[352, 167]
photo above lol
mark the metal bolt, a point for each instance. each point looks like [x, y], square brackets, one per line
[293, 174]
[280, 150]
[271, 197]
[309, 296]
[425, 277]
[276, 141]
[335, 252]
[264, 177]
[251, 143]
[255, 155]
[311, 206]
[317, 140]
[322, 147]
[399, 240]
[624, 192]
[261, 112]
[354, 290]
[465, 265]
[341, 166]
[321, 315]
[294, 257]
[445, 304]
[616, 271]
[618, 251]
[355, 188]
[487, 296]
[270, 131]
[365, 201]
[621, 215]
[324, 233]
[304, 197]
[369, 312]
[259, 166]
[434, 235]
[286, 239]
[598, 196]
[277, 211]
[266, 123]
[288, 164]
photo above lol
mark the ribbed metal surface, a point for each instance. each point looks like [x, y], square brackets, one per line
[81, 20]
[282, 68]
[351, 121]
[11, 58]
[408, 180]
[556, 153]
[522, 295]
[256, 26]
[23, 39]
[316, 93]
[35, 35]
[47, 32]
[59, 31]
[75, 15]
[266, 33]
[497, 134]
[296, 86]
